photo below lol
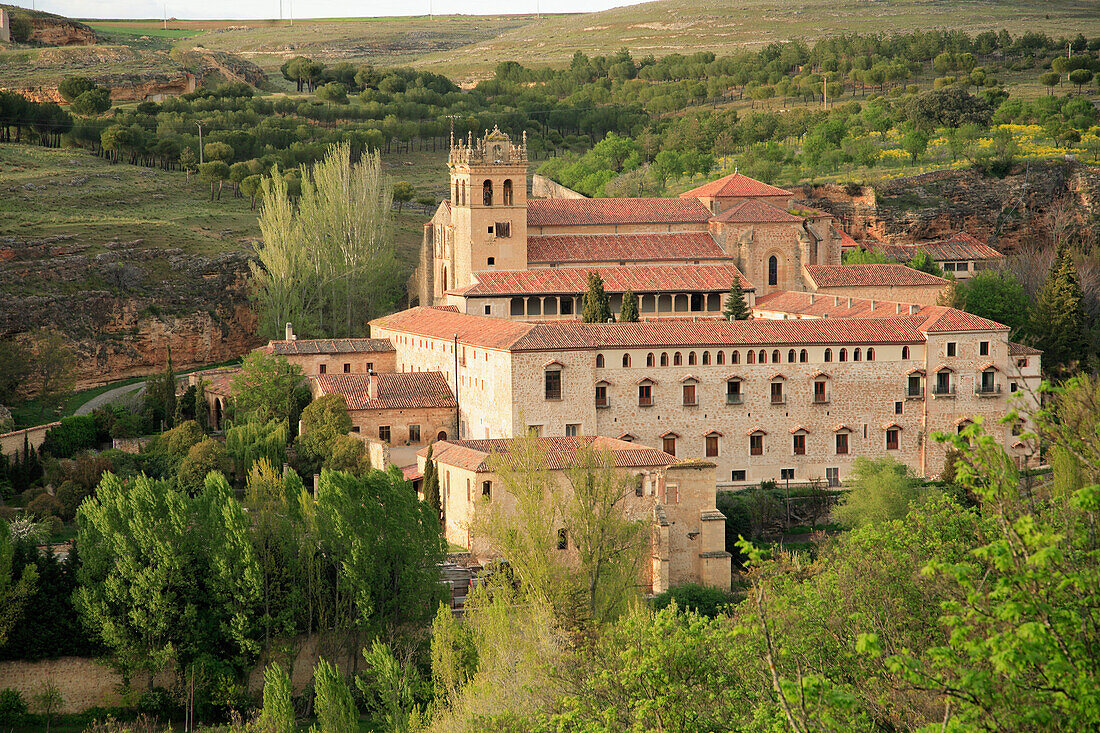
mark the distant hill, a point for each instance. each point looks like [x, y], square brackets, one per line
[686, 26]
[51, 30]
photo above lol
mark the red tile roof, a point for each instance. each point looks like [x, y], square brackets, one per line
[942, 319]
[933, 318]
[219, 381]
[833, 276]
[757, 212]
[583, 212]
[574, 280]
[328, 346]
[846, 241]
[554, 248]
[396, 390]
[960, 246]
[560, 453]
[1015, 349]
[735, 185]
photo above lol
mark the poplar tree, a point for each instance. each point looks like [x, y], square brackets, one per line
[736, 308]
[1058, 321]
[597, 306]
[431, 486]
[629, 311]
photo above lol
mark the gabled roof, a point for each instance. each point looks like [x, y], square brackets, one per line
[834, 276]
[560, 452]
[943, 319]
[574, 280]
[396, 390]
[959, 246]
[756, 211]
[328, 346]
[219, 381]
[735, 185]
[1015, 349]
[820, 305]
[586, 212]
[555, 248]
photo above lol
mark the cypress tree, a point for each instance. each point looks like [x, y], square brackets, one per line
[431, 485]
[597, 306]
[1058, 322]
[736, 308]
[629, 311]
[170, 392]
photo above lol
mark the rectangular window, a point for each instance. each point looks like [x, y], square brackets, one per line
[1012, 387]
[892, 439]
[1021, 363]
[563, 540]
[504, 229]
[897, 408]
[567, 306]
[639, 488]
[553, 384]
[983, 348]
[535, 430]
[951, 348]
[819, 392]
[914, 386]
[689, 394]
[786, 474]
[370, 366]
[384, 433]
[800, 445]
[601, 395]
[756, 445]
[832, 476]
[572, 429]
[962, 266]
[491, 261]
[347, 368]
[669, 445]
[988, 381]
[842, 444]
[733, 392]
[488, 310]
[943, 382]
[645, 395]
[737, 475]
[487, 489]
[712, 446]
[322, 369]
[468, 489]
[414, 433]
[777, 393]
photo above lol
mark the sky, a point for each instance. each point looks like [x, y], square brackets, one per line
[251, 9]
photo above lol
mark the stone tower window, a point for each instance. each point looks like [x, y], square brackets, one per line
[487, 193]
[773, 270]
[508, 192]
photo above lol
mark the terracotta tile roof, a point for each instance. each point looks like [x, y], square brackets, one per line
[846, 241]
[1015, 349]
[756, 211]
[960, 246]
[561, 452]
[574, 280]
[735, 185]
[943, 319]
[553, 248]
[396, 390]
[833, 276]
[498, 333]
[329, 346]
[584, 212]
[219, 381]
[819, 305]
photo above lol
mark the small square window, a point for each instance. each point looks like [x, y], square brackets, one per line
[384, 433]
[983, 348]
[1013, 387]
[370, 366]
[786, 474]
[347, 368]
[737, 475]
[951, 350]
[492, 261]
[322, 368]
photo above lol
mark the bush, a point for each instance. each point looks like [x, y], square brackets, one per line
[13, 709]
[45, 505]
[703, 599]
[74, 434]
[204, 457]
[70, 494]
[174, 444]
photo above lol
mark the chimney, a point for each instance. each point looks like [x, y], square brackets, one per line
[811, 298]
[290, 333]
[897, 307]
[836, 300]
[372, 386]
[913, 308]
[872, 304]
[849, 302]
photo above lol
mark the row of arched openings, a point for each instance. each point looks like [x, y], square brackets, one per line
[458, 193]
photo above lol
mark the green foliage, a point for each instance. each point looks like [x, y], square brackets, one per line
[1058, 319]
[881, 490]
[862, 256]
[74, 434]
[597, 305]
[93, 102]
[391, 687]
[277, 714]
[589, 173]
[701, 599]
[202, 458]
[403, 193]
[13, 708]
[323, 421]
[736, 309]
[72, 87]
[430, 483]
[336, 712]
[453, 653]
[997, 295]
[175, 443]
[16, 584]
[628, 313]
[245, 444]
[923, 261]
[266, 388]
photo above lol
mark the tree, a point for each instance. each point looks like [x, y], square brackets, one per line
[266, 388]
[17, 368]
[403, 192]
[996, 295]
[251, 186]
[203, 457]
[1058, 322]
[72, 87]
[16, 585]
[629, 311]
[217, 151]
[277, 713]
[597, 305]
[47, 701]
[52, 366]
[736, 309]
[1050, 79]
[323, 421]
[391, 686]
[863, 256]
[336, 712]
[923, 261]
[1080, 77]
[334, 92]
[915, 142]
[881, 490]
[188, 162]
[253, 441]
[431, 486]
[93, 102]
[215, 171]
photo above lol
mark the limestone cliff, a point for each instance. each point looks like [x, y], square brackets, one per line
[56, 31]
[122, 306]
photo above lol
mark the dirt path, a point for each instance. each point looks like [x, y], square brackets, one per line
[108, 397]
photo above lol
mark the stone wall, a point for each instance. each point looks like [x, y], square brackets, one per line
[544, 188]
[12, 443]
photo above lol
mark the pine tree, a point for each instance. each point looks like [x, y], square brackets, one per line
[736, 308]
[597, 306]
[431, 485]
[629, 312]
[170, 392]
[1058, 322]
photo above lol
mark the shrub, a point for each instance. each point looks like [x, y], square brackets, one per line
[74, 434]
[204, 457]
[175, 443]
[46, 505]
[70, 494]
[13, 709]
[703, 599]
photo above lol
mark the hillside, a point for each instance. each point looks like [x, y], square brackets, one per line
[48, 29]
[687, 26]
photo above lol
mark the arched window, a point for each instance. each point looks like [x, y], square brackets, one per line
[843, 355]
[649, 359]
[750, 357]
[790, 356]
[828, 354]
[904, 352]
[487, 192]
[626, 360]
[664, 358]
[706, 357]
[507, 192]
[677, 359]
[691, 358]
[762, 357]
[735, 357]
[870, 354]
[454, 192]
[773, 270]
[720, 357]
[803, 356]
[599, 361]
[857, 354]
[775, 357]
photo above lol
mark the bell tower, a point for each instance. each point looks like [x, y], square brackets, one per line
[488, 205]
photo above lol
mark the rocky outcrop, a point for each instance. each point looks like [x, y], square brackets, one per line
[122, 306]
[1004, 212]
[124, 87]
[56, 31]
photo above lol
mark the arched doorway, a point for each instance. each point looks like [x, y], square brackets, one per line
[442, 435]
